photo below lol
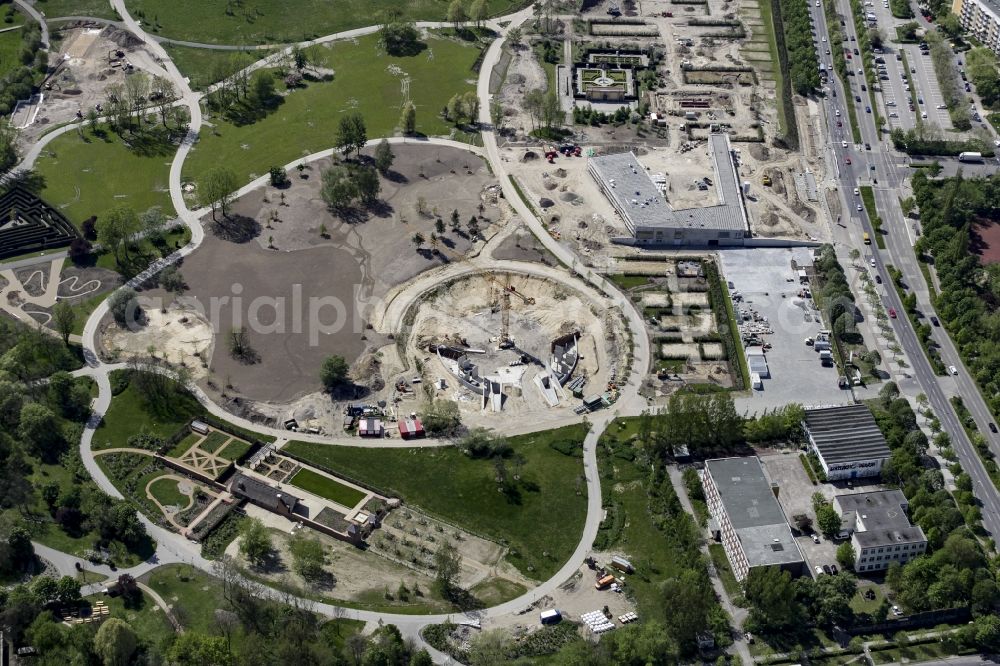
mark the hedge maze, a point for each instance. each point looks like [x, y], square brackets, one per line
[28, 224]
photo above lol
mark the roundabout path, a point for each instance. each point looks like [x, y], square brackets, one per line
[172, 547]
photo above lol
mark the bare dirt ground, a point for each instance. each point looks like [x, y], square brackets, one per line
[86, 72]
[181, 336]
[303, 283]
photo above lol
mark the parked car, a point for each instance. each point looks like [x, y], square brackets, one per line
[878, 279]
[815, 538]
[833, 568]
[819, 570]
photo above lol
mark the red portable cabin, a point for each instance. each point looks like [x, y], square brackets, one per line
[411, 428]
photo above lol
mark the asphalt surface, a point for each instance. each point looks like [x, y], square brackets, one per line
[888, 180]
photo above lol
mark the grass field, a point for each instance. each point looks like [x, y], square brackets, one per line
[181, 447]
[214, 440]
[89, 177]
[725, 570]
[148, 621]
[10, 47]
[274, 21]
[307, 120]
[204, 66]
[56, 8]
[129, 414]
[234, 449]
[449, 484]
[167, 493]
[195, 593]
[324, 486]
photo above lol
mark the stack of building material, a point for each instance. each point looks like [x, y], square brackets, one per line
[628, 617]
[597, 622]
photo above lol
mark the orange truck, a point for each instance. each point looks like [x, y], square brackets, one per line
[604, 582]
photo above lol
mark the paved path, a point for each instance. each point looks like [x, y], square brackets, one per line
[28, 9]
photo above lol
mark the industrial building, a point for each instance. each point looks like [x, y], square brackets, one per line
[981, 19]
[879, 529]
[752, 527]
[847, 440]
[651, 220]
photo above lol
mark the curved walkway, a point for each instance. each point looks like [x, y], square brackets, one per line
[172, 547]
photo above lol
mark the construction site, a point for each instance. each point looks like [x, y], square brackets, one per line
[503, 344]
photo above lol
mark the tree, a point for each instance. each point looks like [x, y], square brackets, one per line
[333, 372]
[456, 14]
[351, 133]
[67, 590]
[8, 147]
[278, 176]
[441, 417]
[515, 35]
[367, 183]
[447, 565]
[255, 541]
[115, 642]
[408, 119]
[828, 520]
[383, 156]
[399, 38]
[307, 556]
[771, 594]
[216, 189]
[64, 319]
[338, 189]
[479, 12]
[40, 431]
[124, 306]
[194, 649]
[117, 230]
[239, 345]
[172, 280]
[846, 555]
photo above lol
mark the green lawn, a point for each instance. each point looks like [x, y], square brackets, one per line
[275, 21]
[56, 8]
[206, 66]
[493, 591]
[725, 570]
[83, 310]
[861, 605]
[214, 440]
[10, 47]
[167, 493]
[90, 176]
[234, 449]
[194, 595]
[181, 447]
[129, 415]
[307, 120]
[627, 282]
[449, 484]
[148, 621]
[911, 653]
[326, 487]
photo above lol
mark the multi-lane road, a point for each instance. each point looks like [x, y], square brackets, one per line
[885, 170]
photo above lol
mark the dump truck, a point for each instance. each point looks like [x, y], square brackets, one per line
[603, 582]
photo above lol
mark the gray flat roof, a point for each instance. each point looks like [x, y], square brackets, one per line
[992, 5]
[845, 434]
[635, 194]
[882, 514]
[754, 511]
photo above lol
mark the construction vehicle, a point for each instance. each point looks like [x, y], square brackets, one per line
[502, 300]
[766, 180]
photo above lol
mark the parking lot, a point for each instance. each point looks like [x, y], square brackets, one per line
[768, 285]
[927, 87]
[896, 96]
[795, 491]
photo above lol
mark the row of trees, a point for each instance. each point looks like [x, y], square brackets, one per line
[710, 424]
[969, 290]
[803, 65]
[951, 85]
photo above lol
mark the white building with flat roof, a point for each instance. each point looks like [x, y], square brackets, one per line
[649, 217]
[847, 440]
[751, 524]
[879, 528]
